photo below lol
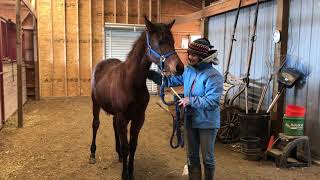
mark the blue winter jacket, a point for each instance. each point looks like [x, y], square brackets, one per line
[204, 96]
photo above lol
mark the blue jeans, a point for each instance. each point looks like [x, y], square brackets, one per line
[200, 138]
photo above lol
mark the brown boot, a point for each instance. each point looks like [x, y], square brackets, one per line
[194, 173]
[209, 173]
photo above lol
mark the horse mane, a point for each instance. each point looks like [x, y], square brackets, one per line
[136, 54]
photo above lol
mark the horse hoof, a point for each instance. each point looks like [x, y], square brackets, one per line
[125, 175]
[131, 177]
[92, 160]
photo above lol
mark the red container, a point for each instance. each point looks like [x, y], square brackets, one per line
[295, 111]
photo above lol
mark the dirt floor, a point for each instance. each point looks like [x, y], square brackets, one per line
[54, 144]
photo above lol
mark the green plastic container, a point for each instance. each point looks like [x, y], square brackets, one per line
[293, 126]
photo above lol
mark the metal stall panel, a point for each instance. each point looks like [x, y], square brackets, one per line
[119, 40]
[220, 29]
[303, 43]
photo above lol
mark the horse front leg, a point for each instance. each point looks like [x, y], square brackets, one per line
[117, 139]
[134, 134]
[95, 127]
[122, 124]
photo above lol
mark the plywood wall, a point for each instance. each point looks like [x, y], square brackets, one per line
[85, 46]
[71, 37]
[121, 11]
[109, 10]
[45, 44]
[59, 87]
[133, 12]
[97, 15]
[66, 41]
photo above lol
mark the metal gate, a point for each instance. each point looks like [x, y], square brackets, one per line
[119, 40]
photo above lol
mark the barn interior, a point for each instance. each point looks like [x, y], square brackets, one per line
[49, 50]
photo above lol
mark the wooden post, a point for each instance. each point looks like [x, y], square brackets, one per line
[159, 11]
[19, 62]
[204, 20]
[35, 56]
[97, 31]
[115, 11]
[138, 11]
[282, 22]
[60, 15]
[85, 47]
[127, 12]
[150, 10]
[31, 8]
[1, 82]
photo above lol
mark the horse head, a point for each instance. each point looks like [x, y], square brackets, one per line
[160, 47]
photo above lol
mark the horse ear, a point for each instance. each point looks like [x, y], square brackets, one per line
[148, 24]
[171, 24]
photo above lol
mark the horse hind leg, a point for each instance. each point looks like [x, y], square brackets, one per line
[95, 127]
[121, 124]
[117, 139]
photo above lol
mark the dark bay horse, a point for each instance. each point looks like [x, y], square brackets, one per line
[119, 88]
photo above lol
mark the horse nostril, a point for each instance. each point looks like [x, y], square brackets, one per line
[179, 69]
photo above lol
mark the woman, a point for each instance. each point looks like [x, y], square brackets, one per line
[203, 86]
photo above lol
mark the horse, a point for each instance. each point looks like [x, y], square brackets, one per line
[119, 88]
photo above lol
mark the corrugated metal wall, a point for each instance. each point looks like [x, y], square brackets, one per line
[220, 29]
[304, 43]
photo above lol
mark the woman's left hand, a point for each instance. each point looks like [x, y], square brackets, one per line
[184, 102]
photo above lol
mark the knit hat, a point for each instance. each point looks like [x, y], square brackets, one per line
[200, 47]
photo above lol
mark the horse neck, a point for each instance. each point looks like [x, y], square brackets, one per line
[137, 63]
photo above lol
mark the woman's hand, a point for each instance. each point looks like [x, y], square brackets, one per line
[184, 102]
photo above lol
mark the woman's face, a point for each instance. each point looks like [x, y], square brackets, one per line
[193, 59]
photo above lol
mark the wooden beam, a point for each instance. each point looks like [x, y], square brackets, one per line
[282, 23]
[115, 11]
[36, 61]
[158, 11]
[72, 47]
[2, 111]
[97, 31]
[33, 3]
[45, 48]
[59, 8]
[85, 47]
[138, 12]
[204, 21]
[19, 62]
[215, 9]
[127, 12]
[150, 10]
[194, 4]
[30, 7]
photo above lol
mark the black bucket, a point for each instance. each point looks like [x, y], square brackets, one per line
[255, 125]
[251, 147]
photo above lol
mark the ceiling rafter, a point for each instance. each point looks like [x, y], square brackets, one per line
[194, 3]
